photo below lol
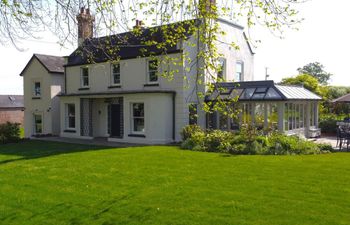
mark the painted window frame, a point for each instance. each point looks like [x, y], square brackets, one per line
[148, 71]
[221, 73]
[68, 116]
[82, 69]
[133, 117]
[241, 73]
[37, 93]
[113, 74]
[35, 125]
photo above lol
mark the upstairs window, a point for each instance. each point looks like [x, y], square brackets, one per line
[37, 89]
[221, 69]
[85, 77]
[153, 71]
[116, 74]
[239, 71]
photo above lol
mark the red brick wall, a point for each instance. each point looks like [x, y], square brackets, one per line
[11, 115]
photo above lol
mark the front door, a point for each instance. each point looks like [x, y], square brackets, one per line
[115, 120]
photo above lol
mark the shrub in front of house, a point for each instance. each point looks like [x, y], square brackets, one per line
[9, 132]
[250, 141]
[187, 131]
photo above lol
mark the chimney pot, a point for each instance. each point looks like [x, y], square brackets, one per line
[85, 25]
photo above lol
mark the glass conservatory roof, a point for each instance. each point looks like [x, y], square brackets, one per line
[260, 91]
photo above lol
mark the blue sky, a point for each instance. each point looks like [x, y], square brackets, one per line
[323, 36]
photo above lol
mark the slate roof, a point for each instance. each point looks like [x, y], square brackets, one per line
[11, 101]
[261, 91]
[129, 44]
[53, 64]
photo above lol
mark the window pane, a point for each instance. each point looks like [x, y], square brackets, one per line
[223, 121]
[71, 122]
[139, 124]
[37, 89]
[272, 94]
[116, 68]
[138, 110]
[153, 76]
[221, 68]
[153, 65]
[116, 78]
[247, 94]
[258, 96]
[38, 124]
[85, 76]
[239, 71]
[71, 115]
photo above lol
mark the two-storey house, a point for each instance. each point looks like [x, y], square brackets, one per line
[119, 93]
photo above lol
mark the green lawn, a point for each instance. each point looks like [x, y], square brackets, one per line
[55, 183]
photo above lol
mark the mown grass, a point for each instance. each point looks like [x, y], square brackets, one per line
[56, 183]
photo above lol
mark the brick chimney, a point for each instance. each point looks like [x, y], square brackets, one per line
[138, 24]
[85, 25]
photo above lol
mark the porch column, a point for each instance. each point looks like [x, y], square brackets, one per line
[316, 114]
[266, 122]
[280, 108]
[308, 116]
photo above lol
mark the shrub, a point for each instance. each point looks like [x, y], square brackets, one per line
[328, 123]
[281, 144]
[9, 132]
[325, 148]
[195, 141]
[249, 142]
[218, 141]
[188, 130]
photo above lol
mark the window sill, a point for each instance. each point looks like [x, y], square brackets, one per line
[151, 85]
[114, 86]
[36, 97]
[69, 131]
[137, 135]
[84, 88]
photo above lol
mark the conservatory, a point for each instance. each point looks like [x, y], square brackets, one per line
[266, 105]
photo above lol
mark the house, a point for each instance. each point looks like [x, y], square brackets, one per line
[126, 100]
[11, 109]
[43, 80]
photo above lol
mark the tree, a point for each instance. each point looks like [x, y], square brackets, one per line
[23, 19]
[309, 82]
[316, 70]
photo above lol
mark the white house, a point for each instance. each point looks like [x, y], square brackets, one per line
[127, 101]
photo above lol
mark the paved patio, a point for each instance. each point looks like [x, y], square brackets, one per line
[332, 140]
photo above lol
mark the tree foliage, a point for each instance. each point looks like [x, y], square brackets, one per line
[316, 70]
[309, 82]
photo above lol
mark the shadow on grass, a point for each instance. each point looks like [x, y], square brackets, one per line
[33, 149]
